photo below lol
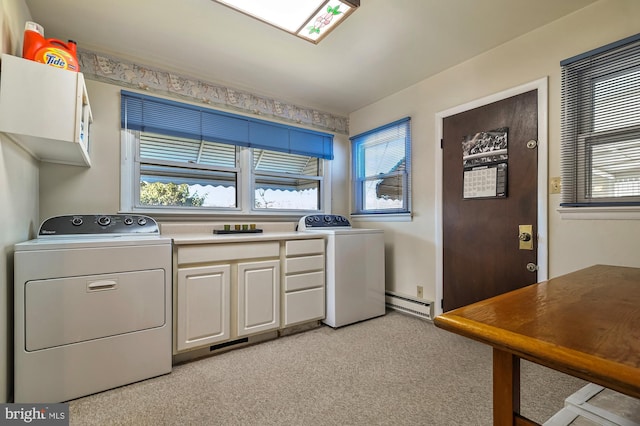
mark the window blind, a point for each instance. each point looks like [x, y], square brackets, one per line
[172, 149]
[270, 161]
[156, 115]
[600, 126]
[381, 168]
[385, 148]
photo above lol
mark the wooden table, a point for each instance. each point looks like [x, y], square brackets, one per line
[586, 324]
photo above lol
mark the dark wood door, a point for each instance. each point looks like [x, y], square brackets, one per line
[481, 254]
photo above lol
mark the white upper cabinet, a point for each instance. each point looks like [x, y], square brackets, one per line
[45, 110]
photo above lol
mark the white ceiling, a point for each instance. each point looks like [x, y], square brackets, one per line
[383, 47]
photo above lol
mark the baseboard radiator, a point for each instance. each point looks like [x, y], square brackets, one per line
[411, 305]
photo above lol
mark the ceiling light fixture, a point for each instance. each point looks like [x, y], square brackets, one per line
[311, 20]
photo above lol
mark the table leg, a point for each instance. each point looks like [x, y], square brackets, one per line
[506, 387]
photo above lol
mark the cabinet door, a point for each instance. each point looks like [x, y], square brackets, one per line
[258, 297]
[203, 306]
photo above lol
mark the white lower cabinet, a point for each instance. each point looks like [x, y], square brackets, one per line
[258, 297]
[304, 281]
[225, 292]
[203, 301]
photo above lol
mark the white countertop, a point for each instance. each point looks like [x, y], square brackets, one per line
[209, 238]
[202, 233]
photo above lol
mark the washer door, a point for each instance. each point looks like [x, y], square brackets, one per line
[64, 311]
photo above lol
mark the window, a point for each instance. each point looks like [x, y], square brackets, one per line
[178, 172]
[285, 181]
[601, 126]
[179, 157]
[382, 169]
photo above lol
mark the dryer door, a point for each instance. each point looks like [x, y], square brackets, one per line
[63, 311]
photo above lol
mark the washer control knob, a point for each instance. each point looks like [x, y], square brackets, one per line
[104, 220]
[76, 221]
[142, 221]
[128, 221]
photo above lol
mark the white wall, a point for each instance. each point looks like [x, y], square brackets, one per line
[19, 213]
[573, 244]
[95, 189]
[18, 199]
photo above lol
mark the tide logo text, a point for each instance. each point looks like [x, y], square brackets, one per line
[55, 60]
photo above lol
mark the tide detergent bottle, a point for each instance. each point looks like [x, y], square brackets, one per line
[49, 51]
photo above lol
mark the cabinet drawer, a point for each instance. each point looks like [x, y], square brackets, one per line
[305, 305]
[304, 264]
[302, 281]
[301, 247]
[226, 252]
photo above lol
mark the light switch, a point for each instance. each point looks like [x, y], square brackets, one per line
[555, 185]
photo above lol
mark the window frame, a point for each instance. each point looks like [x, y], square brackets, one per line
[579, 139]
[193, 122]
[358, 146]
[245, 185]
[588, 141]
[320, 178]
[196, 170]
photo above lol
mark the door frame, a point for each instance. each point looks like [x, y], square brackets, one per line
[541, 85]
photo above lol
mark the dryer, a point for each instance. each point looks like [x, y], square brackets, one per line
[355, 269]
[92, 306]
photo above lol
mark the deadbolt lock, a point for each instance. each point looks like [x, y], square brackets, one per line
[525, 236]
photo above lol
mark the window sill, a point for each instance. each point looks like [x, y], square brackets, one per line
[595, 213]
[193, 215]
[391, 217]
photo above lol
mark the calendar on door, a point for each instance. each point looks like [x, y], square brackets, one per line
[484, 159]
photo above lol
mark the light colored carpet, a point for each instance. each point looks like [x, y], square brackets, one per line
[392, 370]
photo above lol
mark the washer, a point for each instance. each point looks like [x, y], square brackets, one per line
[354, 269]
[92, 306]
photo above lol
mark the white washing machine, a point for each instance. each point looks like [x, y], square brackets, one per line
[355, 283]
[92, 306]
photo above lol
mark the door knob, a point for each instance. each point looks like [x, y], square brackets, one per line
[525, 237]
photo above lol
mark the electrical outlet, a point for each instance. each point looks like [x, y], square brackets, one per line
[420, 292]
[555, 185]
